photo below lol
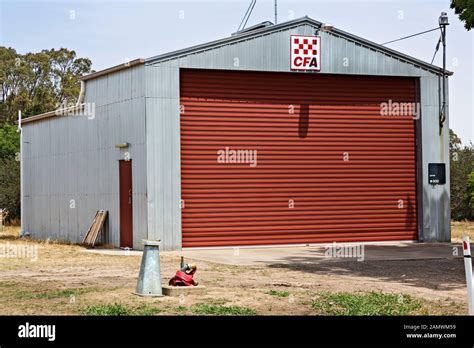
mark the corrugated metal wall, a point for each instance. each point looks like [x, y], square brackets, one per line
[324, 165]
[435, 148]
[71, 163]
[163, 148]
[270, 52]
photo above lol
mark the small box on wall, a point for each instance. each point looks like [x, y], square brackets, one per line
[437, 173]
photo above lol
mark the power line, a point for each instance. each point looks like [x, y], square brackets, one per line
[407, 37]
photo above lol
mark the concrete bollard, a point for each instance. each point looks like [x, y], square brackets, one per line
[149, 279]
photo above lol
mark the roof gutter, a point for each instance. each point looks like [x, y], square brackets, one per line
[55, 113]
[392, 52]
[113, 69]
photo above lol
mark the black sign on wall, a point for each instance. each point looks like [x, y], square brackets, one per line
[437, 173]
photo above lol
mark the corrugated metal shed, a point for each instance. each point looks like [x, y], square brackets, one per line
[75, 158]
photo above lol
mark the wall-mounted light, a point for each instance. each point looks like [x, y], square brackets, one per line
[326, 27]
[443, 19]
[122, 145]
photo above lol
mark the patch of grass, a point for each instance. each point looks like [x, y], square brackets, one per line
[278, 293]
[207, 309]
[65, 293]
[145, 310]
[373, 303]
[26, 294]
[181, 309]
[117, 309]
[8, 285]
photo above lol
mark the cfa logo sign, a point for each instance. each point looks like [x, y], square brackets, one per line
[305, 52]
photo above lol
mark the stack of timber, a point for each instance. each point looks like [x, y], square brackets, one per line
[97, 226]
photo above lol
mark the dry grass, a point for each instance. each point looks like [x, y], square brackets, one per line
[10, 232]
[66, 280]
[460, 229]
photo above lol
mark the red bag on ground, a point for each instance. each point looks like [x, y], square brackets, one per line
[182, 279]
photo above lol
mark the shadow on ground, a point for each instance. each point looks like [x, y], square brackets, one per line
[438, 270]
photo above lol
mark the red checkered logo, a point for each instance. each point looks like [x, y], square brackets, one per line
[305, 52]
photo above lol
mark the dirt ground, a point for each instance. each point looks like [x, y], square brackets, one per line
[65, 280]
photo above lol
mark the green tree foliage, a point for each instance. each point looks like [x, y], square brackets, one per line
[465, 10]
[10, 171]
[38, 82]
[9, 141]
[462, 159]
[33, 83]
[471, 186]
[10, 187]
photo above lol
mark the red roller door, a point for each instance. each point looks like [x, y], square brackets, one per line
[328, 168]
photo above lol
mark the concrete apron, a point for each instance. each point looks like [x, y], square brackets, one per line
[253, 256]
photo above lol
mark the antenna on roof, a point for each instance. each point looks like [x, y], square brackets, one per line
[276, 12]
[247, 15]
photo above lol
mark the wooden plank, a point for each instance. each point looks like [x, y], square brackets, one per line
[100, 226]
[84, 240]
[96, 227]
[93, 228]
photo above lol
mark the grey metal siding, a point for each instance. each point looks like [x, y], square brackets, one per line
[163, 162]
[271, 52]
[73, 159]
[436, 199]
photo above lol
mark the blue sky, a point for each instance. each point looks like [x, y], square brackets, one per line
[112, 32]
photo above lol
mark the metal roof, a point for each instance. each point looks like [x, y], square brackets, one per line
[112, 69]
[293, 23]
[55, 113]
